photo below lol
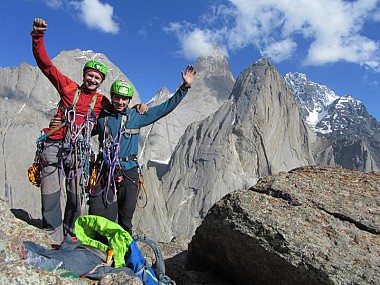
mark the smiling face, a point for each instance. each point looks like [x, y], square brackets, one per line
[92, 79]
[120, 103]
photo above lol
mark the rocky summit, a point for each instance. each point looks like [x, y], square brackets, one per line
[311, 225]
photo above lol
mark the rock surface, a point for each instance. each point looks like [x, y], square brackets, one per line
[14, 270]
[258, 131]
[311, 225]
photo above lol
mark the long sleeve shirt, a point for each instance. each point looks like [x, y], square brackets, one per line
[127, 142]
[66, 88]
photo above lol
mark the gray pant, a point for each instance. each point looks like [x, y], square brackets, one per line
[53, 177]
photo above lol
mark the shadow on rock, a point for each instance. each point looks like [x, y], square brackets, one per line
[177, 271]
[26, 217]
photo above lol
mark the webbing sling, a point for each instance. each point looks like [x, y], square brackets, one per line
[123, 130]
[75, 101]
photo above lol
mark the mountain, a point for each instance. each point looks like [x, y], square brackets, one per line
[224, 135]
[158, 142]
[212, 87]
[343, 121]
[257, 131]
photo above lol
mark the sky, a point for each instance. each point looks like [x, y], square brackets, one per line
[334, 42]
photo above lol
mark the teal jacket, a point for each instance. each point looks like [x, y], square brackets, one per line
[129, 139]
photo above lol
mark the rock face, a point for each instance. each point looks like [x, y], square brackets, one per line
[260, 236]
[212, 87]
[258, 131]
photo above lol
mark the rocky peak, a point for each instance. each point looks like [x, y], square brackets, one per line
[342, 120]
[257, 132]
[314, 99]
[212, 86]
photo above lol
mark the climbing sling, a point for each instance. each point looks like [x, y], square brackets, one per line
[77, 138]
[77, 145]
[109, 160]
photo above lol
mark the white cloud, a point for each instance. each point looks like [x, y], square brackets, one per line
[280, 50]
[196, 42]
[322, 32]
[55, 4]
[97, 15]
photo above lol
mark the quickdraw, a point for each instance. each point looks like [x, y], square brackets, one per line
[34, 174]
[79, 147]
[142, 197]
[34, 171]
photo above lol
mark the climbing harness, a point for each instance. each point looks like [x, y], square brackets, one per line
[78, 152]
[34, 171]
[110, 162]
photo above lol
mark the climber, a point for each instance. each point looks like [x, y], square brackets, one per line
[67, 151]
[78, 106]
[115, 195]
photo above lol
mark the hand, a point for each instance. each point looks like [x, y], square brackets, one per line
[141, 108]
[39, 26]
[188, 76]
[55, 122]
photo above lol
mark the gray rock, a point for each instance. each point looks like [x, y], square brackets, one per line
[258, 131]
[211, 88]
[258, 236]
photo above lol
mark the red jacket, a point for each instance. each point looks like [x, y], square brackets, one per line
[66, 88]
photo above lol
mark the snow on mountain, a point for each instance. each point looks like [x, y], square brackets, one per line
[320, 106]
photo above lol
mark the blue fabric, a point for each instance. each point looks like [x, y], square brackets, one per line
[82, 261]
[137, 262]
[129, 143]
[77, 261]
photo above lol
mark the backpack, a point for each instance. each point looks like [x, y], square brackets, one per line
[140, 266]
[88, 257]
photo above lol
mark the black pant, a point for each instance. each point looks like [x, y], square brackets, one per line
[103, 203]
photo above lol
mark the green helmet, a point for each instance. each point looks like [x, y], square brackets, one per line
[122, 88]
[96, 65]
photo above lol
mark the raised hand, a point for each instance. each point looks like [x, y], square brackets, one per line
[188, 76]
[39, 26]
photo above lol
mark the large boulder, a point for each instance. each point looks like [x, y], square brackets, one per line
[311, 225]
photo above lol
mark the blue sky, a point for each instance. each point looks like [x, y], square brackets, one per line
[334, 42]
